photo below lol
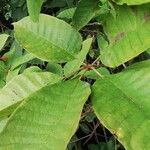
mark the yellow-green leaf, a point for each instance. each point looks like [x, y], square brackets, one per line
[131, 2]
[85, 11]
[50, 39]
[21, 87]
[47, 119]
[3, 39]
[121, 102]
[34, 8]
[128, 34]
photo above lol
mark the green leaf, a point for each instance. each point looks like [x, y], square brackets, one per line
[50, 39]
[12, 73]
[148, 51]
[3, 123]
[3, 73]
[121, 102]
[34, 9]
[3, 39]
[54, 68]
[13, 54]
[67, 13]
[86, 10]
[131, 2]
[74, 65]
[21, 60]
[128, 34]
[47, 119]
[93, 75]
[21, 87]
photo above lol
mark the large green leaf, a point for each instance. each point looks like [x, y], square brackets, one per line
[86, 10]
[3, 39]
[49, 39]
[21, 87]
[47, 119]
[131, 2]
[121, 102]
[34, 8]
[128, 34]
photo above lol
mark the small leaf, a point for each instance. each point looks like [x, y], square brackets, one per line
[34, 8]
[86, 10]
[93, 75]
[54, 68]
[121, 102]
[48, 38]
[74, 65]
[131, 2]
[46, 119]
[3, 73]
[3, 39]
[67, 13]
[21, 60]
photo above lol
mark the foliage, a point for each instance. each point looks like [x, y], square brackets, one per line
[75, 68]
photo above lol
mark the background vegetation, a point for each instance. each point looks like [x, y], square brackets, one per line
[91, 134]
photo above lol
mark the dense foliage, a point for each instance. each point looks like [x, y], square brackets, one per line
[75, 74]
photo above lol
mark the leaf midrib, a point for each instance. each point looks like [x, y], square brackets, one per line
[42, 37]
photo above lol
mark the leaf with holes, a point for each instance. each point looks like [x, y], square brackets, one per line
[121, 102]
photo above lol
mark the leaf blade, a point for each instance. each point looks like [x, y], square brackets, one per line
[50, 127]
[121, 101]
[50, 34]
[34, 9]
[127, 39]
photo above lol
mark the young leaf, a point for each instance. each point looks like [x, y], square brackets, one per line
[74, 65]
[93, 75]
[121, 102]
[3, 73]
[86, 10]
[12, 73]
[67, 13]
[34, 8]
[50, 39]
[54, 68]
[46, 119]
[128, 34]
[131, 2]
[3, 39]
[21, 60]
[21, 87]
